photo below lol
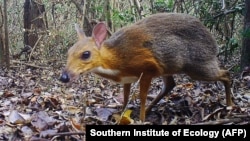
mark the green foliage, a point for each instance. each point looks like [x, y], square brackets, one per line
[170, 4]
[246, 33]
[98, 9]
[236, 69]
[122, 18]
[233, 44]
[163, 5]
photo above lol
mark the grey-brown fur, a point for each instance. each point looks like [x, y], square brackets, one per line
[180, 42]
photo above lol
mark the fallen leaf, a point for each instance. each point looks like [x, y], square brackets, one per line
[104, 113]
[71, 109]
[41, 121]
[7, 94]
[27, 131]
[76, 125]
[124, 119]
[16, 118]
[188, 85]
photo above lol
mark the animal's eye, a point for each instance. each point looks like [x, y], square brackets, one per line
[85, 55]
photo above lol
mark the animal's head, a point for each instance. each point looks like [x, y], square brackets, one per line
[84, 55]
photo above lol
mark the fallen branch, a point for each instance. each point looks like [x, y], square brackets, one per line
[56, 135]
[67, 133]
[220, 121]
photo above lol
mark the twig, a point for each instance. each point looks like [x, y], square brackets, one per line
[219, 122]
[66, 134]
[212, 114]
[133, 93]
[34, 47]
[225, 13]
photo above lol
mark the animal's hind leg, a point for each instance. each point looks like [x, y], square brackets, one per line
[208, 73]
[225, 78]
[169, 84]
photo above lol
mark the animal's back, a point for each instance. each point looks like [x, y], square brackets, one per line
[177, 40]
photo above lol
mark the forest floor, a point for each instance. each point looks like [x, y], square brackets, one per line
[35, 105]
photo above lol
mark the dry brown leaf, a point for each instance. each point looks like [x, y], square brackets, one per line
[37, 91]
[33, 99]
[71, 109]
[7, 94]
[188, 85]
[77, 126]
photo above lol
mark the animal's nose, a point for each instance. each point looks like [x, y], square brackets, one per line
[64, 77]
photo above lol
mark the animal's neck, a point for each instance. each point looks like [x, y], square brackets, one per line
[106, 71]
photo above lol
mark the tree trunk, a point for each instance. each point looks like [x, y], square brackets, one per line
[138, 8]
[35, 22]
[1, 48]
[245, 54]
[6, 56]
[1, 38]
[108, 13]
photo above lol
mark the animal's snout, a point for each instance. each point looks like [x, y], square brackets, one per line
[64, 77]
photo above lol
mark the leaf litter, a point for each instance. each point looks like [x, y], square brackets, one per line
[35, 105]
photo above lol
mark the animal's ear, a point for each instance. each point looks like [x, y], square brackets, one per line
[99, 33]
[80, 32]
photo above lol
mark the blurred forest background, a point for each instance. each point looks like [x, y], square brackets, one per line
[36, 34]
[43, 30]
